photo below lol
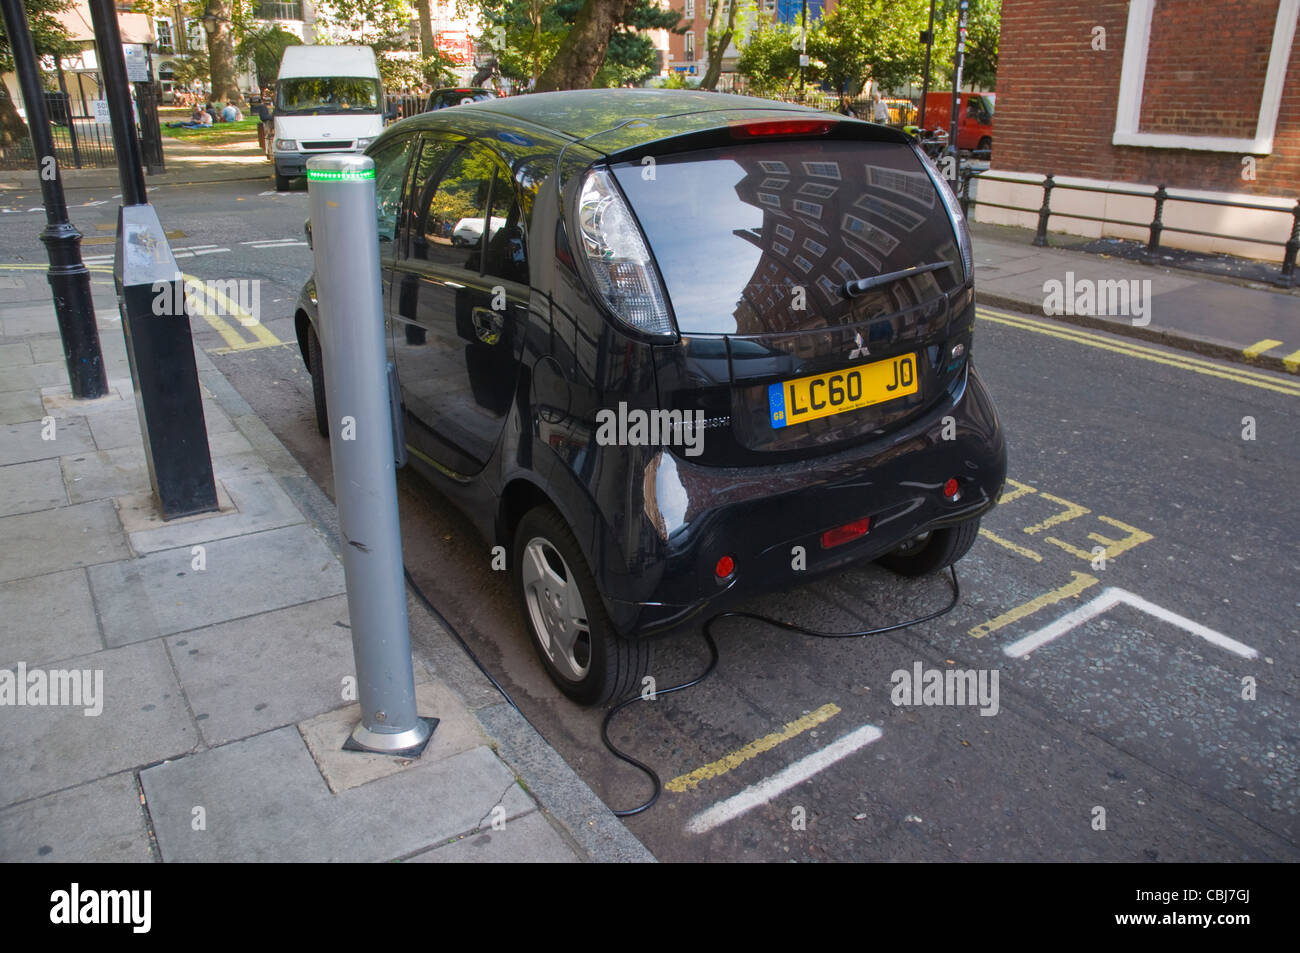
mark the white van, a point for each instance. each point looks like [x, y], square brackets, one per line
[327, 99]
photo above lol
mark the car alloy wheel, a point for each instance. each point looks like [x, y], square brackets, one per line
[571, 629]
[556, 609]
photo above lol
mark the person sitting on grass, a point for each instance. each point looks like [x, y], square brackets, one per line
[231, 113]
[194, 122]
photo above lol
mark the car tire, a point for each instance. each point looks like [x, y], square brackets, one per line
[316, 367]
[984, 145]
[282, 182]
[571, 631]
[932, 552]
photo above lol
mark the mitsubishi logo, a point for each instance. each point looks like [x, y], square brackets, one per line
[861, 349]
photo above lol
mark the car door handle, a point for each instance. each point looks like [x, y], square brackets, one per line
[487, 324]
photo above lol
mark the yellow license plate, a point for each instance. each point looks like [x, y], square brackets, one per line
[808, 398]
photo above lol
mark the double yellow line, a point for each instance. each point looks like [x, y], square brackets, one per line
[211, 306]
[234, 341]
[1105, 342]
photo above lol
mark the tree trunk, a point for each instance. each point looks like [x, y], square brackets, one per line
[717, 43]
[426, 28]
[221, 55]
[583, 49]
[12, 129]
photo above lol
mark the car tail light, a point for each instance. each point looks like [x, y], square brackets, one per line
[725, 567]
[781, 127]
[951, 489]
[846, 533]
[618, 259]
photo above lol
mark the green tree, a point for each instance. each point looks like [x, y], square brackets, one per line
[983, 26]
[193, 65]
[526, 35]
[261, 48]
[378, 23]
[717, 37]
[769, 58]
[220, 15]
[876, 39]
[50, 39]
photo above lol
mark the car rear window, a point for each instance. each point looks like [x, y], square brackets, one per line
[735, 230]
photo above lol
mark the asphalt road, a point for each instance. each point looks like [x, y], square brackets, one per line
[1157, 722]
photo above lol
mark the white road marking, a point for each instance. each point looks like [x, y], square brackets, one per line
[1109, 598]
[783, 780]
[208, 251]
[100, 202]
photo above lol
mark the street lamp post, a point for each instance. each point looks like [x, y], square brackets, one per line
[928, 37]
[956, 91]
[68, 276]
[803, 45]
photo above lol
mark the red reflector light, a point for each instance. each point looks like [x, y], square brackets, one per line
[846, 533]
[781, 127]
[950, 489]
[725, 567]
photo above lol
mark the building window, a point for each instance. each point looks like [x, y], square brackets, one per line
[275, 10]
[163, 26]
[194, 36]
[690, 9]
[690, 46]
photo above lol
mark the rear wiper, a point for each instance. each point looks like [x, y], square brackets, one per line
[860, 286]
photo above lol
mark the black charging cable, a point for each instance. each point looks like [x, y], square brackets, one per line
[713, 664]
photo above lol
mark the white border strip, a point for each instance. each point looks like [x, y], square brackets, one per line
[782, 781]
[1109, 598]
[1137, 39]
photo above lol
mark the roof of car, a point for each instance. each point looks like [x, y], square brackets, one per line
[583, 113]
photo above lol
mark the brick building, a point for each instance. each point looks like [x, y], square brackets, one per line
[1202, 96]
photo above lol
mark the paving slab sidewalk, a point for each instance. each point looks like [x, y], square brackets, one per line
[201, 664]
[186, 163]
[1246, 322]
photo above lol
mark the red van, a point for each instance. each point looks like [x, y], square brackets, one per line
[975, 129]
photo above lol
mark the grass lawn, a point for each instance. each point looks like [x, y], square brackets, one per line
[221, 132]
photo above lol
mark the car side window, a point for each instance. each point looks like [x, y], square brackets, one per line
[505, 255]
[390, 174]
[449, 229]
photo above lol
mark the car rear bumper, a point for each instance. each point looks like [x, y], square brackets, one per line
[770, 520]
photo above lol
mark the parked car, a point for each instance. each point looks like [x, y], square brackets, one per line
[458, 96]
[719, 345]
[975, 124]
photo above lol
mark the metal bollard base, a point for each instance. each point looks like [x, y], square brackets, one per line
[402, 744]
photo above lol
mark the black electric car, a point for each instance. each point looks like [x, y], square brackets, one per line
[703, 346]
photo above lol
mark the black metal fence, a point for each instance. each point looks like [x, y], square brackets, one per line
[80, 142]
[1155, 227]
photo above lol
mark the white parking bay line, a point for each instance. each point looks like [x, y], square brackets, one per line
[1114, 596]
[782, 781]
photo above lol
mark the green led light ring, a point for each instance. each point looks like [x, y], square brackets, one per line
[327, 175]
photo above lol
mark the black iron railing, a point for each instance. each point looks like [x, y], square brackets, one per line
[1156, 227]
